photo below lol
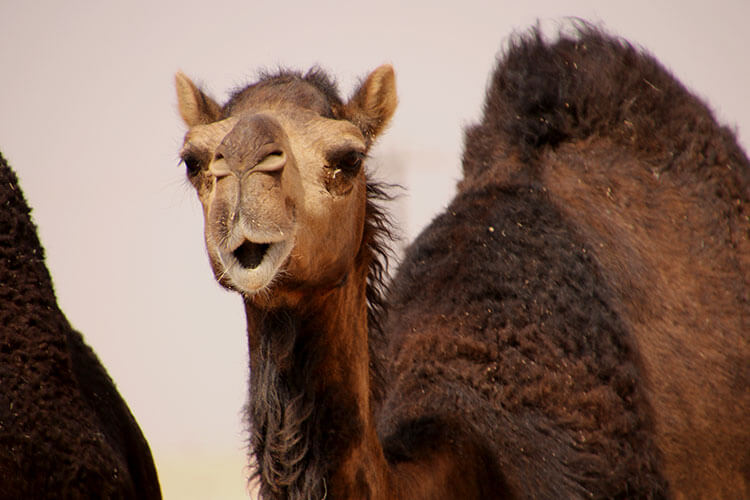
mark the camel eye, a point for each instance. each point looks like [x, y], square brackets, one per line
[192, 164]
[350, 161]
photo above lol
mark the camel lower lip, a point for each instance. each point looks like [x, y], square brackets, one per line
[252, 266]
[250, 254]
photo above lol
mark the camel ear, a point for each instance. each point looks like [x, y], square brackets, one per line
[373, 104]
[196, 108]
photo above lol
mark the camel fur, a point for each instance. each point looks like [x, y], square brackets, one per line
[65, 432]
[573, 325]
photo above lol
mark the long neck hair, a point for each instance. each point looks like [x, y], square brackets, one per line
[292, 450]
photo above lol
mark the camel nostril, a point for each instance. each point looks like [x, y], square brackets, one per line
[272, 162]
[218, 156]
[219, 166]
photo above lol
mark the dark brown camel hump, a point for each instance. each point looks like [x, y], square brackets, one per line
[590, 84]
[65, 432]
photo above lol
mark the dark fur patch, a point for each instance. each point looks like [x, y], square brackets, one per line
[297, 431]
[500, 320]
[376, 240]
[280, 416]
[474, 473]
[414, 439]
[65, 432]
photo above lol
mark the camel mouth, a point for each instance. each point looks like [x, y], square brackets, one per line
[252, 266]
[250, 254]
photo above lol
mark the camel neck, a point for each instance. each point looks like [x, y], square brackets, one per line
[312, 427]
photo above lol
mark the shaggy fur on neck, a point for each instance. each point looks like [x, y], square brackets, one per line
[280, 410]
[292, 455]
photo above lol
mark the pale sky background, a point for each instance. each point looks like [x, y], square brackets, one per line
[89, 122]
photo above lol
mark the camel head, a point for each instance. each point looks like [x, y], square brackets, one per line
[279, 173]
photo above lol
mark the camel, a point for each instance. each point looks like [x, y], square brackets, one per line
[65, 432]
[573, 325]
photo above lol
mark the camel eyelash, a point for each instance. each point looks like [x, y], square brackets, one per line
[347, 160]
[192, 161]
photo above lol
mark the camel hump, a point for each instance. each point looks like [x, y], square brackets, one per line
[544, 93]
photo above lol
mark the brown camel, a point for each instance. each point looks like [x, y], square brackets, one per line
[574, 325]
[65, 431]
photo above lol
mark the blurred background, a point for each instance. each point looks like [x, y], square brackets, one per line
[88, 120]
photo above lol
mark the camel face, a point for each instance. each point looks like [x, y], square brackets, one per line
[279, 175]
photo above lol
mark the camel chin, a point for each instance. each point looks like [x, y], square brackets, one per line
[251, 267]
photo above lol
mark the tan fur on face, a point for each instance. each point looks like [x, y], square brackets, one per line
[292, 207]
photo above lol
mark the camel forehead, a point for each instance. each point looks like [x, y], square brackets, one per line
[283, 92]
[300, 125]
[208, 137]
[308, 133]
[204, 133]
[317, 131]
[304, 109]
[306, 106]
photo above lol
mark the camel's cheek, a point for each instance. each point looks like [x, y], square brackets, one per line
[313, 258]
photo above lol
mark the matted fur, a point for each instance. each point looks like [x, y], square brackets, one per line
[500, 326]
[65, 432]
